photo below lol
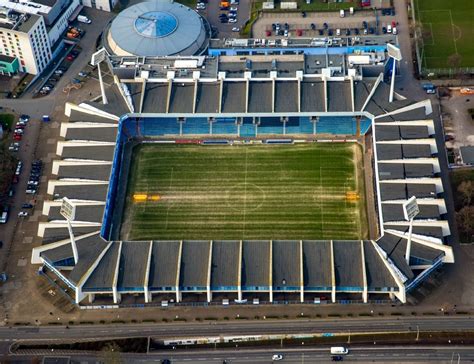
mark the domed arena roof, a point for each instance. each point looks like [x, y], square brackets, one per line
[157, 28]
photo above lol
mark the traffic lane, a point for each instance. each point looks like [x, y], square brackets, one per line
[300, 355]
[252, 327]
[425, 354]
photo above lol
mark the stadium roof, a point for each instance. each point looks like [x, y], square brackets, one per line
[405, 156]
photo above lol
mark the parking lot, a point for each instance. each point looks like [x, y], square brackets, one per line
[313, 24]
[226, 28]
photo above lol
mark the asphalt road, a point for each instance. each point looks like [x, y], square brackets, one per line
[321, 355]
[366, 354]
[188, 329]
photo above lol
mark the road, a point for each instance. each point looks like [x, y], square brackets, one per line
[395, 354]
[188, 329]
[320, 355]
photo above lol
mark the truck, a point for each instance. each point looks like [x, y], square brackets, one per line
[339, 350]
[84, 19]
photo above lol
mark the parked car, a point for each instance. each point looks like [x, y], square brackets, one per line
[277, 357]
[237, 29]
[14, 147]
[22, 214]
[27, 206]
[30, 191]
[70, 57]
[24, 118]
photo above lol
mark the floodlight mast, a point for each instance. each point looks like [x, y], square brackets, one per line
[68, 211]
[395, 54]
[410, 210]
[97, 58]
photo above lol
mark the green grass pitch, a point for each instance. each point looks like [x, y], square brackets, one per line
[448, 28]
[245, 192]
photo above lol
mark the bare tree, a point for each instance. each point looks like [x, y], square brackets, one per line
[465, 222]
[466, 188]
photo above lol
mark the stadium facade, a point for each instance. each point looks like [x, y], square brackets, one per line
[235, 98]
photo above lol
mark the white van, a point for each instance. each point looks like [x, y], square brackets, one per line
[339, 350]
[389, 28]
[341, 13]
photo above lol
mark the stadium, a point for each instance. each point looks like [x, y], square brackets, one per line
[245, 179]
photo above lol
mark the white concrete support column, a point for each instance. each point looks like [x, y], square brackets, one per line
[365, 293]
[196, 85]
[247, 91]
[102, 88]
[115, 293]
[221, 92]
[325, 85]
[301, 273]
[392, 82]
[315, 122]
[73, 242]
[142, 96]
[270, 272]
[352, 93]
[299, 95]
[372, 91]
[178, 271]
[209, 270]
[333, 273]
[91, 297]
[168, 96]
[408, 249]
[146, 279]
[239, 272]
[79, 294]
[399, 278]
[273, 94]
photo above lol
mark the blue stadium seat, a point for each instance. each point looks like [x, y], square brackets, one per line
[247, 129]
[224, 126]
[159, 126]
[270, 125]
[196, 126]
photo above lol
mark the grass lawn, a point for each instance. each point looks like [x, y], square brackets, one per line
[448, 28]
[245, 192]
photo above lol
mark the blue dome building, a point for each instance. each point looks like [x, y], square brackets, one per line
[158, 28]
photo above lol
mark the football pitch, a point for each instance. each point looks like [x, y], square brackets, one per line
[448, 29]
[245, 192]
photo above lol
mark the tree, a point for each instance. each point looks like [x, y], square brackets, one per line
[465, 222]
[466, 188]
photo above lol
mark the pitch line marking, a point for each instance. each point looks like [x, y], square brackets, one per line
[169, 206]
[432, 35]
[245, 192]
[452, 29]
